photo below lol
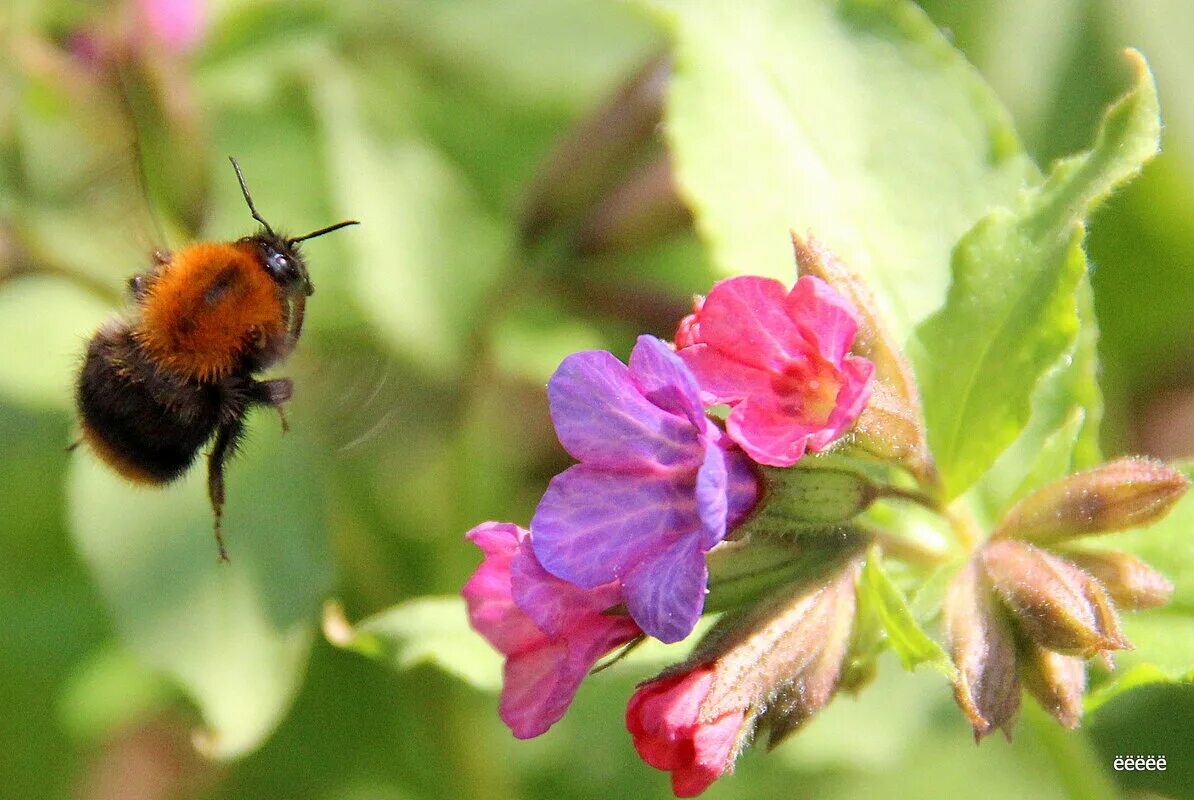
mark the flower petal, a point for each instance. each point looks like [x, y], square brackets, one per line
[491, 608]
[537, 689]
[711, 496]
[664, 720]
[177, 24]
[593, 526]
[665, 381]
[723, 378]
[823, 315]
[553, 604]
[745, 318]
[742, 487]
[713, 743]
[540, 684]
[767, 434]
[663, 752]
[603, 419]
[851, 400]
[662, 714]
[666, 593]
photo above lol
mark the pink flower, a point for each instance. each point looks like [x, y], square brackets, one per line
[780, 360]
[551, 632]
[664, 719]
[177, 24]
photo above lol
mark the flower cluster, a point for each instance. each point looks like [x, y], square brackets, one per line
[1031, 607]
[617, 546]
[732, 471]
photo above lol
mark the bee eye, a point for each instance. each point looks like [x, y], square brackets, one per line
[279, 264]
[282, 267]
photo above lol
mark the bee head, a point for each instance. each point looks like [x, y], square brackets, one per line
[280, 254]
[281, 259]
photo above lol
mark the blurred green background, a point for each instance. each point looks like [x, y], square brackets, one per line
[419, 407]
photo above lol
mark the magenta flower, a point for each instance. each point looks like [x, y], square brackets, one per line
[664, 719]
[658, 485]
[780, 360]
[551, 632]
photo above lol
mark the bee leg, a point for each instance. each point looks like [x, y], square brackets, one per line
[139, 283]
[298, 311]
[227, 437]
[273, 393]
[137, 286]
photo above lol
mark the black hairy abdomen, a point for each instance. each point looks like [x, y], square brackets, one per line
[149, 418]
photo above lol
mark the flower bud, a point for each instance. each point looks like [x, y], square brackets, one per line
[669, 732]
[778, 662]
[644, 208]
[794, 705]
[597, 150]
[1127, 493]
[891, 426]
[1056, 604]
[760, 651]
[1131, 583]
[1056, 681]
[890, 430]
[811, 497]
[984, 652]
[744, 571]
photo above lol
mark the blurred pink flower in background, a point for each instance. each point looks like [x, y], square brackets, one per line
[176, 24]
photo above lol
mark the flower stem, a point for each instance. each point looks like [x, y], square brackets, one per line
[961, 521]
[913, 496]
[906, 549]
[964, 525]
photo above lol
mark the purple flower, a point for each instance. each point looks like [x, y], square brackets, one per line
[658, 485]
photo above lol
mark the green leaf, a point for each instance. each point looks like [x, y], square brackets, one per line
[1081, 769]
[427, 630]
[1164, 653]
[1055, 456]
[1063, 431]
[234, 636]
[1007, 482]
[427, 250]
[854, 120]
[109, 691]
[1011, 311]
[526, 50]
[907, 638]
[52, 319]
[1082, 383]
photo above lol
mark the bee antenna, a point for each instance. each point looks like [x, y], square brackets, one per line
[322, 231]
[244, 188]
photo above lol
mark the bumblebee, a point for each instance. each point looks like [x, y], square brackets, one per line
[178, 371]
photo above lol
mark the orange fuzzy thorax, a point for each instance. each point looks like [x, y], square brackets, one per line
[210, 304]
